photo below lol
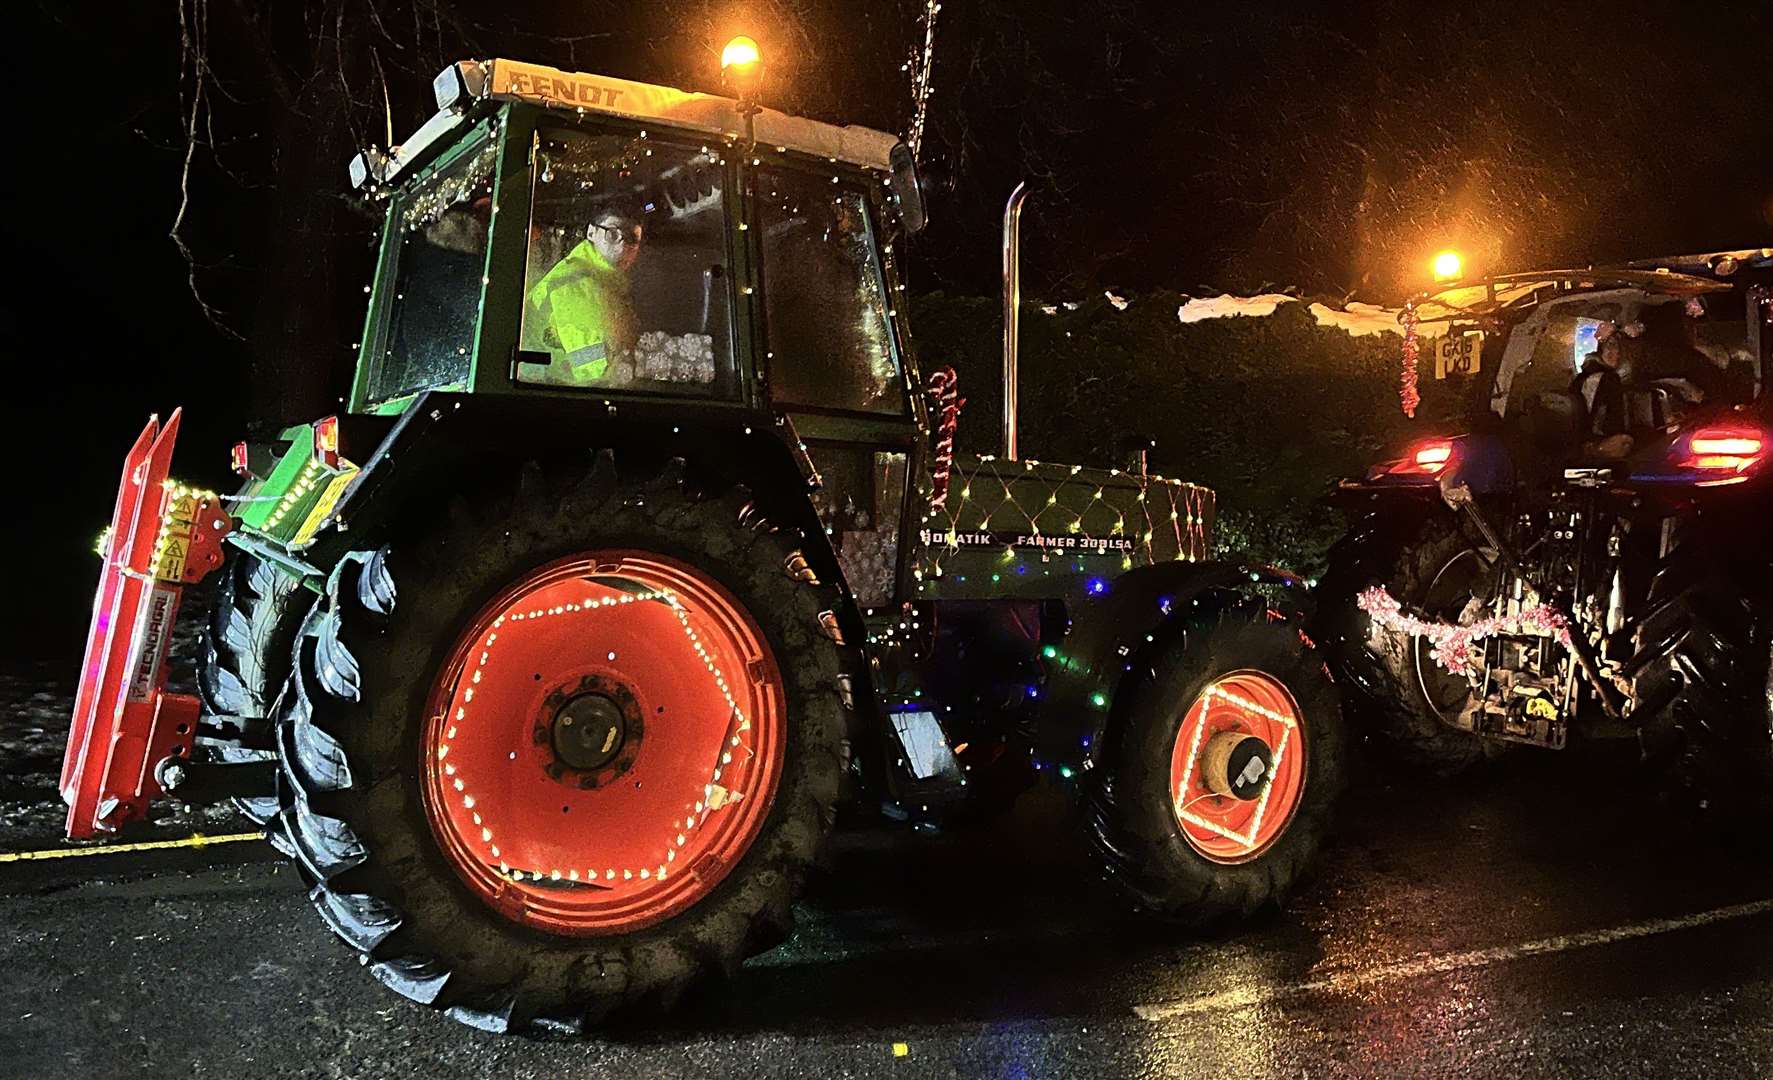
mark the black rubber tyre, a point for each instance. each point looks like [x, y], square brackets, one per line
[1392, 671]
[247, 642]
[350, 727]
[1704, 691]
[1129, 815]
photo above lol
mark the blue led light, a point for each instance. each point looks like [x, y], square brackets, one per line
[1097, 586]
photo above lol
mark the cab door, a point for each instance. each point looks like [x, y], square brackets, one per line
[831, 362]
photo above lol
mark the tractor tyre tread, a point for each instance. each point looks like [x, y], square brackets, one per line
[248, 638]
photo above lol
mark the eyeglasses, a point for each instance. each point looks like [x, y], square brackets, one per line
[619, 235]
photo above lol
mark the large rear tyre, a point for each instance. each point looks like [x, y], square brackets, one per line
[1222, 773]
[247, 642]
[1702, 677]
[568, 753]
[1406, 697]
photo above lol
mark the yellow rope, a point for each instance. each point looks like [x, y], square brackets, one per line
[195, 841]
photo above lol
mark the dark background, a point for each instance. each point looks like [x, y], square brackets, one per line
[1169, 147]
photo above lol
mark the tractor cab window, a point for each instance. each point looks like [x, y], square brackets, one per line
[441, 226]
[825, 303]
[626, 286]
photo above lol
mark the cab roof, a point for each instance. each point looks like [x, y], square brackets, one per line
[1492, 295]
[466, 82]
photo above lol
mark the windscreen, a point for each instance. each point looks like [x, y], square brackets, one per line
[825, 301]
[434, 306]
[627, 283]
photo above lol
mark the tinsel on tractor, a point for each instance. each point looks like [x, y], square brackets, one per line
[642, 547]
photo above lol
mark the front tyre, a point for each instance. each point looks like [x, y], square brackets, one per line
[565, 755]
[253, 618]
[1223, 772]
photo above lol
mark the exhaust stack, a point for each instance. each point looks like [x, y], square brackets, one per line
[1012, 306]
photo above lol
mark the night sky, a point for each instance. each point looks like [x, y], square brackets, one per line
[1168, 146]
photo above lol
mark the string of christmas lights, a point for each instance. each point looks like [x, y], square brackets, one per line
[920, 78]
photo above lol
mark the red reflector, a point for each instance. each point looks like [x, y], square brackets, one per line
[326, 441]
[239, 460]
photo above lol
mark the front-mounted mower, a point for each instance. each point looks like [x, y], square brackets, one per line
[642, 548]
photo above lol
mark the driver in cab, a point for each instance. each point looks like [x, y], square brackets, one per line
[583, 305]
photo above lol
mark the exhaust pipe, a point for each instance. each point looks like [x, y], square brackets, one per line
[1012, 307]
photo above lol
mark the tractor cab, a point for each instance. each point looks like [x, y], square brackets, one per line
[1683, 342]
[549, 232]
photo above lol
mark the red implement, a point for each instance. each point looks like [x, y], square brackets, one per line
[163, 537]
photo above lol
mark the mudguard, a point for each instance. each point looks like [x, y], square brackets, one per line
[444, 442]
[1367, 554]
[1111, 631]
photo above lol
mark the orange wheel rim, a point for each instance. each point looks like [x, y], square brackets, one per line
[1222, 827]
[603, 744]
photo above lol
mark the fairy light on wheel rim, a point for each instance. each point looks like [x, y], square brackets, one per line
[1223, 828]
[623, 843]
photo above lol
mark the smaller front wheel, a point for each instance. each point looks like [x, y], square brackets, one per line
[1225, 766]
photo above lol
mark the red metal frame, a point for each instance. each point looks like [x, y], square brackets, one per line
[162, 538]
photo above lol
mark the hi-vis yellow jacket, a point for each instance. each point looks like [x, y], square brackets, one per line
[584, 314]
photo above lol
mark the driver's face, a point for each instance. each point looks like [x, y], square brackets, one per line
[617, 240]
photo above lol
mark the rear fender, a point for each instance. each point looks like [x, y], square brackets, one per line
[1112, 634]
[444, 443]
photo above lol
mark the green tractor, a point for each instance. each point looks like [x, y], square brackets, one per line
[642, 548]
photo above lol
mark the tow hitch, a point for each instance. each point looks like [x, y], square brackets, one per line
[129, 737]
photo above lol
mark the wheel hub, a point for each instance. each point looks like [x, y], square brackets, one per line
[588, 731]
[1237, 765]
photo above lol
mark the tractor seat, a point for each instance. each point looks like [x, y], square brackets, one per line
[1555, 422]
[1656, 405]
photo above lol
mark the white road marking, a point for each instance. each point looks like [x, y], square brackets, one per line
[1428, 964]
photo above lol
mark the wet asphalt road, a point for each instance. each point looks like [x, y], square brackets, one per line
[1541, 920]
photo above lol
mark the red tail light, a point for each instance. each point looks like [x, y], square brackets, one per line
[1432, 456]
[1426, 458]
[239, 460]
[1723, 449]
[326, 441]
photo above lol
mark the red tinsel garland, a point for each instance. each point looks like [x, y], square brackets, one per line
[945, 389]
[1407, 393]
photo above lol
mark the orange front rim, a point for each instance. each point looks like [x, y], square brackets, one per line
[603, 744]
[1225, 828]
